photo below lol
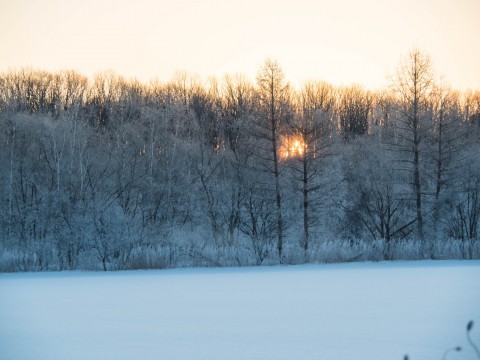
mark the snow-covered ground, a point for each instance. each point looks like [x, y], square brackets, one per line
[348, 311]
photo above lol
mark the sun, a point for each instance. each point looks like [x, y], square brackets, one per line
[291, 147]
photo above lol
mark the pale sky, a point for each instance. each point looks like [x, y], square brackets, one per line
[339, 41]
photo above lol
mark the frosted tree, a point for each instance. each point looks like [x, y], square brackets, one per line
[463, 206]
[8, 138]
[446, 142]
[273, 96]
[414, 86]
[238, 105]
[376, 207]
[354, 106]
[472, 107]
[101, 97]
[307, 145]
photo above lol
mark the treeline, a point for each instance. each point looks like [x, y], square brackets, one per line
[113, 173]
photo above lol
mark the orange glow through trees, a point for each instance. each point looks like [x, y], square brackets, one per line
[291, 147]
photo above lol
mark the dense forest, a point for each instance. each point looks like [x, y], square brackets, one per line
[111, 173]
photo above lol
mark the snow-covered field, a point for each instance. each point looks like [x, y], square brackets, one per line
[349, 311]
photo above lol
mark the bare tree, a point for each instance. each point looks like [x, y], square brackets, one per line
[354, 107]
[273, 96]
[309, 144]
[413, 84]
[472, 107]
[238, 108]
[376, 207]
[464, 211]
[447, 140]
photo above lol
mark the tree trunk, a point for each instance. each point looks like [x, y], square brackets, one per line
[277, 178]
[305, 203]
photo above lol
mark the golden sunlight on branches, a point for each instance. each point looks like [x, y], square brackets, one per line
[291, 147]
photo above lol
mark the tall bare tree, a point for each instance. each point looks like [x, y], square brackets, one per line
[312, 134]
[414, 86]
[273, 96]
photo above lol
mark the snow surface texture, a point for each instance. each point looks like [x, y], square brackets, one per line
[348, 311]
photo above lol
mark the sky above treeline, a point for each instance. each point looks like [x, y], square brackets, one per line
[339, 41]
